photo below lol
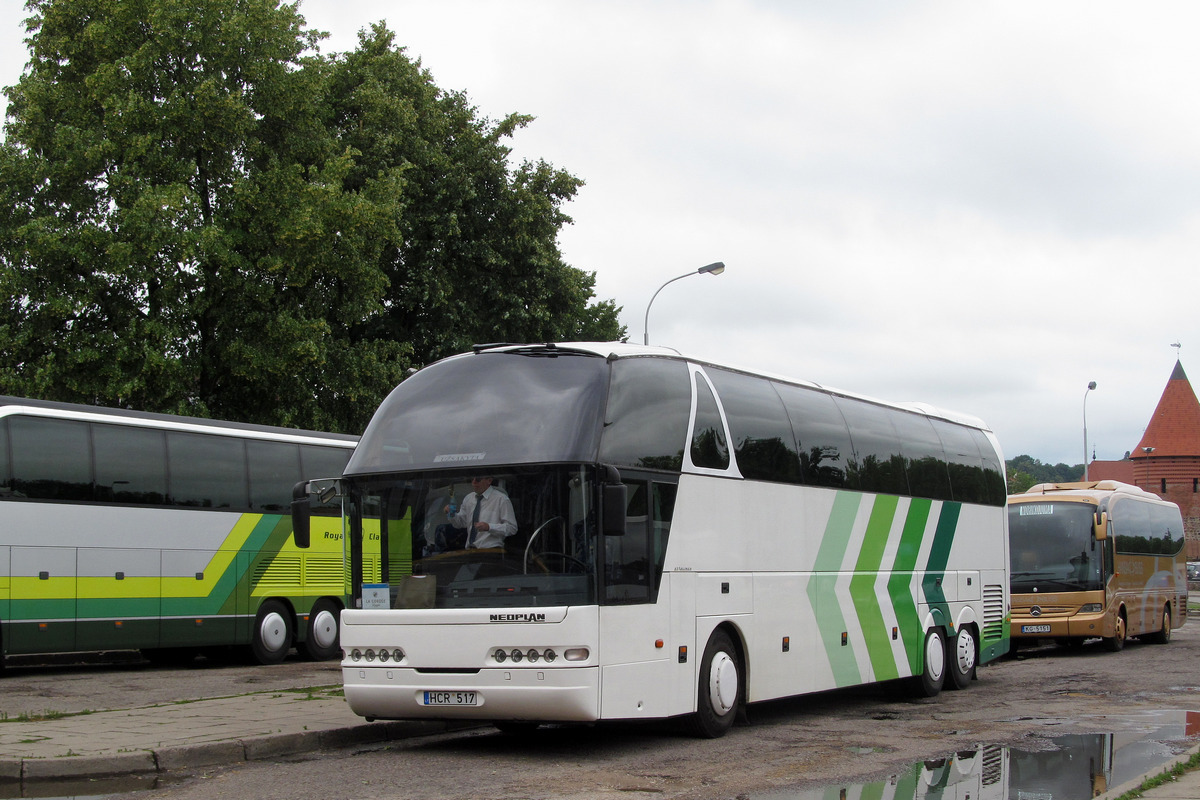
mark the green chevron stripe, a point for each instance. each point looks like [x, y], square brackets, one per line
[939, 557]
[906, 784]
[862, 588]
[874, 791]
[900, 582]
[822, 588]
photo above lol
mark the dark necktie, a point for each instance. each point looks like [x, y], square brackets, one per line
[475, 519]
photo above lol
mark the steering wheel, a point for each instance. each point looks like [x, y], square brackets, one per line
[533, 536]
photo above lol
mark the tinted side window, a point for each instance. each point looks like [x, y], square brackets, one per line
[131, 464]
[928, 475]
[822, 440]
[995, 487]
[877, 457]
[207, 471]
[5, 471]
[762, 438]
[709, 448]
[968, 482]
[51, 458]
[1146, 528]
[647, 416]
[274, 470]
[322, 462]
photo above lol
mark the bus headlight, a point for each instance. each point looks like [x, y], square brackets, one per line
[370, 654]
[1091, 608]
[549, 655]
[356, 654]
[577, 654]
[500, 655]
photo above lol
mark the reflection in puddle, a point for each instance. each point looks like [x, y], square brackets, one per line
[82, 789]
[1072, 767]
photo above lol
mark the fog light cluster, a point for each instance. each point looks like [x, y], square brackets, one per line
[516, 655]
[370, 654]
[531, 655]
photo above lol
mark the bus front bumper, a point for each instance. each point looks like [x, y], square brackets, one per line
[1077, 626]
[526, 694]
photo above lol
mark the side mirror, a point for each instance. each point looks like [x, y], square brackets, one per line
[616, 497]
[1100, 526]
[300, 515]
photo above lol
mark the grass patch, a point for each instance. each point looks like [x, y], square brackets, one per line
[1167, 776]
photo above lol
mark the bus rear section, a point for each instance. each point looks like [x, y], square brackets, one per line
[1095, 560]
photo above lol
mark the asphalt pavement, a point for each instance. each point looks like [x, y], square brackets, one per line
[132, 747]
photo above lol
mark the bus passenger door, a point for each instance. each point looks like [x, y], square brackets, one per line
[637, 652]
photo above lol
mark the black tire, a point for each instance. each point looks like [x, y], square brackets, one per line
[933, 664]
[962, 655]
[321, 641]
[1116, 642]
[1163, 634]
[271, 639]
[719, 690]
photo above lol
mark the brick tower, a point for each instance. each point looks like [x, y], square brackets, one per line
[1167, 459]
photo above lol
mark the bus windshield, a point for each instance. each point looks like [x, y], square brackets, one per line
[1052, 547]
[534, 542]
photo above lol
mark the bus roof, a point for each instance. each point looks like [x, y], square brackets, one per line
[613, 350]
[1096, 490]
[14, 405]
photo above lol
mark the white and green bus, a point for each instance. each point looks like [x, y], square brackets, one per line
[690, 538]
[170, 535]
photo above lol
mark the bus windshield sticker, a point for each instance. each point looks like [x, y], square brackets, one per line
[1028, 510]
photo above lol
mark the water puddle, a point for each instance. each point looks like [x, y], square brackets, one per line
[1067, 767]
[82, 789]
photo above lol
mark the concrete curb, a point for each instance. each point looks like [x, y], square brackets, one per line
[256, 748]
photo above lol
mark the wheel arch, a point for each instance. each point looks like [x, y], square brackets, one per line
[731, 629]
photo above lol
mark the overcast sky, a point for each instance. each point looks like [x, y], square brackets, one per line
[982, 206]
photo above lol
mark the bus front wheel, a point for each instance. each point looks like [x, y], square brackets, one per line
[272, 636]
[719, 694]
[1116, 642]
[933, 674]
[321, 639]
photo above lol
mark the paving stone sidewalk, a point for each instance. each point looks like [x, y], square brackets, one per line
[198, 733]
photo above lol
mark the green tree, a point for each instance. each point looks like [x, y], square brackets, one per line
[1025, 471]
[199, 214]
[478, 259]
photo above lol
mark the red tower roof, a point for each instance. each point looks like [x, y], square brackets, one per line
[1174, 430]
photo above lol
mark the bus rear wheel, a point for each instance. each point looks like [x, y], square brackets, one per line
[933, 675]
[1163, 635]
[271, 638]
[962, 657]
[321, 638]
[719, 693]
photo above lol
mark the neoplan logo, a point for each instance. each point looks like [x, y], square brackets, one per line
[517, 618]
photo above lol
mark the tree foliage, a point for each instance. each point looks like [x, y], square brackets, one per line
[1026, 471]
[199, 213]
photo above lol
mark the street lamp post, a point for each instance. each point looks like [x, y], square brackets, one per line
[716, 268]
[1091, 385]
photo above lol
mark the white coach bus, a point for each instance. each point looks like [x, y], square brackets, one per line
[689, 538]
